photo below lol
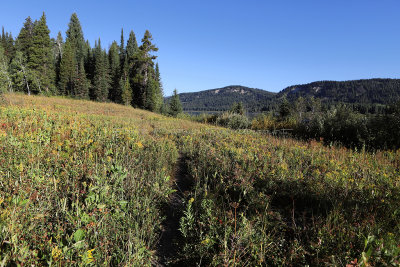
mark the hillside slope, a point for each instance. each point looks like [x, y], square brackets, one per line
[369, 91]
[221, 99]
[85, 183]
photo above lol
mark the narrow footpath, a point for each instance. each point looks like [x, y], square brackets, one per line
[170, 244]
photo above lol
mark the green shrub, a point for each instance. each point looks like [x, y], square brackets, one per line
[233, 121]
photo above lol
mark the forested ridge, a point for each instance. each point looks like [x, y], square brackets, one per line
[221, 99]
[365, 91]
[35, 63]
[365, 95]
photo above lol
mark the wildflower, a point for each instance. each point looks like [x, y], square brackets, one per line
[139, 144]
[205, 241]
[56, 253]
[90, 256]
[191, 200]
[21, 167]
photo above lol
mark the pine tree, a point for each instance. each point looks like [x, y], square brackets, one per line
[143, 71]
[5, 78]
[75, 37]
[68, 71]
[20, 74]
[131, 47]
[7, 42]
[101, 76]
[57, 52]
[122, 52]
[25, 38]
[158, 78]
[81, 83]
[284, 109]
[124, 84]
[89, 62]
[237, 108]
[126, 95]
[152, 99]
[115, 73]
[175, 106]
[160, 90]
[40, 57]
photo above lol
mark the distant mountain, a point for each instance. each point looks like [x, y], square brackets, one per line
[368, 91]
[364, 92]
[221, 99]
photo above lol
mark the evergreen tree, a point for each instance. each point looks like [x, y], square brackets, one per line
[122, 52]
[25, 37]
[131, 47]
[158, 79]
[20, 74]
[101, 76]
[175, 106]
[115, 73]
[284, 109]
[143, 71]
[126, 95]
[68, 71]
[153, 99]
[7, 42]
[89, 62]
[57, 52]
[40, 57]
[81, 83]
[237, 108]
[5, 78]
[124, 84]
[75, 37]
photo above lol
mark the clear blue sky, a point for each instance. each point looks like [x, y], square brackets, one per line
[206, 44]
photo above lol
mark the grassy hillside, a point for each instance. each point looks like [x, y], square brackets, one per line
[86, 183]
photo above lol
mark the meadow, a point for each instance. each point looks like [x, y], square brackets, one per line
[85, 183]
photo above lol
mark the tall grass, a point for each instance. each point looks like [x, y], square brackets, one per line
[84, 183]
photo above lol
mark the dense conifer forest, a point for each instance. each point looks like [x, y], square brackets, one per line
[36, 63]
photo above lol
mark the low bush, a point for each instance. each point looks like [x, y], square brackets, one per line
[233, 121]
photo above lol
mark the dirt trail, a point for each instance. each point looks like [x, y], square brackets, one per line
[170, 243]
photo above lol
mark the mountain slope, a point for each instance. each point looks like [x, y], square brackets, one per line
[367, 91]
[370, 91]
[221, 99]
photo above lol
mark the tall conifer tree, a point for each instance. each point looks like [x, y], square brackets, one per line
[5, 78]
[175, 105]
[20, 74]
[122, 51]
[131, 47]
[68, 71]
[75, 37]
[58, 50]
[101, 76]
[41, 58]
[7, 41]
[81, 83]
[124, 84]
[25, 37]
[143, 73]
[115, 73]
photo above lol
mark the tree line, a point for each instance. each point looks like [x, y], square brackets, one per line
[34, 63]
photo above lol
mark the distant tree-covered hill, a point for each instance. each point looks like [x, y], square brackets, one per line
[369, 91]
[365, 93]
[221, 99]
